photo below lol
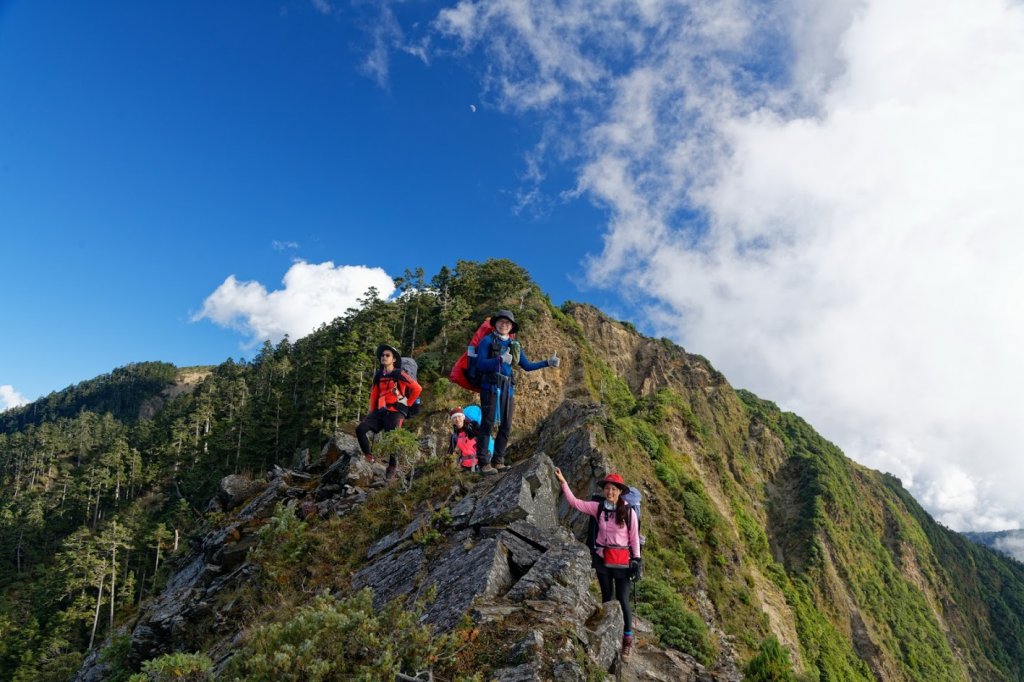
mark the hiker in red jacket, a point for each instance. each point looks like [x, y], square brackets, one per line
[618, 544]
[392, 393]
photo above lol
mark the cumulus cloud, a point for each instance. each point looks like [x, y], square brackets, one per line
[819, 198]
[312, 295]
[10, 398]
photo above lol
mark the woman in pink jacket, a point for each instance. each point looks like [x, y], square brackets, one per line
[618, 544]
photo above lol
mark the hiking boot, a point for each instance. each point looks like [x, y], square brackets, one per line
[500, 466]
[369, 458]
[627, 646]
[390, 473]
[488, 469]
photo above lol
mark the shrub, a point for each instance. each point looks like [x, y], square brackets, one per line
[400, 443]
[341, 639]
[674, 624]
[771, 664]
[174, 667]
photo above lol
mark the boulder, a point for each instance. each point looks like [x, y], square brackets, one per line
[560, 576]
[391, 576]
[235, 489]
[522, 554]
[337, 447]
[351, 470]
[604, 634]
[526, 491]
[462, 575]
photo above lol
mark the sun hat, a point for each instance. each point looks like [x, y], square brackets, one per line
[507, 314]
[394, 351]
[615, 480]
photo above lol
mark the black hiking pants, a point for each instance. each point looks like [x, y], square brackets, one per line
[620, 588]
[378, 421]
[490, 404]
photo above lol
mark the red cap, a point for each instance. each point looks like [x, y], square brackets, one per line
[455, 411]
[615, 480]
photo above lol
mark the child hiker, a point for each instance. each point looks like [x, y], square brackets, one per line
[618, 544]
[463, 440]
[392, 392]
[497, 353]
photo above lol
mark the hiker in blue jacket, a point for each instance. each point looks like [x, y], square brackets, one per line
[497, 353]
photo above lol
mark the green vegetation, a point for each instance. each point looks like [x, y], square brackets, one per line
[770, 665]
[176, 667]
[334, 639]
[96, 498]
[673, 622]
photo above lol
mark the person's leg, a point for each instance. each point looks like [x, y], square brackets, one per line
[501, 442]
[607, 586]
[622, 586]
[483, 437]
[370, 423]
[392, 421]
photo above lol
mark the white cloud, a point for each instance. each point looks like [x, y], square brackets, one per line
[312, 295]
[821, 199]
[10, 398]
[1012, 545]
[283, 245]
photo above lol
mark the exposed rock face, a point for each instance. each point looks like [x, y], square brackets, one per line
[507, 554]
[235, 489]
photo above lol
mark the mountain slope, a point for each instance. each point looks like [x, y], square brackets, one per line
[758, 530]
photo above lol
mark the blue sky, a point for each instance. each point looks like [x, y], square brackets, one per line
[149, 150]
[821, 199]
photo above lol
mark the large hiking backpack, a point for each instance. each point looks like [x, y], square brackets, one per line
[464, 372]
[633, 499]
[410, 367]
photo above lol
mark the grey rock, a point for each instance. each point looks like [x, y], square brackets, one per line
[462, 511]
[262, 506]
[235, 489]
[604, 634]
[544, 538]
[526, 491]
[461, 575]
[338, 447]
[568, 671]
[562, 577]
[493, 613]
[653, 664]
[531, 648]
[522, 554]
[527, 672]
[399, 536]
[391, 576]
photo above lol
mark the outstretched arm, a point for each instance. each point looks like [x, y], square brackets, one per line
[587, 507]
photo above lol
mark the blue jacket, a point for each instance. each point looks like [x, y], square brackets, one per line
[486, 365]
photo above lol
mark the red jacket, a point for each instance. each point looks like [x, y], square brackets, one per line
[388, 388]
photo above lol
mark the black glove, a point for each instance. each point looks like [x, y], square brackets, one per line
[636, 569]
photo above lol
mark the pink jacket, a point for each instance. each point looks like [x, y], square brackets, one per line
[610, 533]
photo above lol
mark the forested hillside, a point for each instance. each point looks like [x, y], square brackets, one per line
[769, 554]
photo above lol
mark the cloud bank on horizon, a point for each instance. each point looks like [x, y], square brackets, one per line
[820, 198]
[312, 295]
